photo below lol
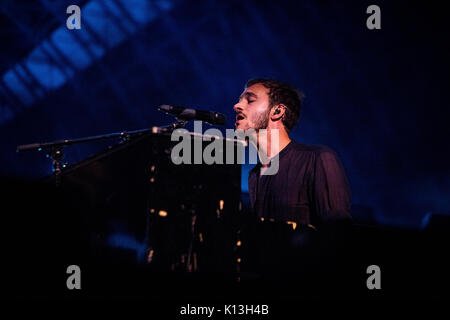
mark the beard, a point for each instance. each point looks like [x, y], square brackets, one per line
[262, 121]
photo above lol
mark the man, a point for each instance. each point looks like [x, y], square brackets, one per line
[310, 187]
[309, 191]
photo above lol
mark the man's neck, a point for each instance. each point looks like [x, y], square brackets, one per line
[271, 142]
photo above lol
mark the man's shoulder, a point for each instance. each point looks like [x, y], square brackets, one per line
[299, 151]
[312, 154]
[315, 149]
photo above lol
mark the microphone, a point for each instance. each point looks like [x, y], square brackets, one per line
[210, 117]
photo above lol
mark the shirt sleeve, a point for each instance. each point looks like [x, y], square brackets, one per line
[331, 190]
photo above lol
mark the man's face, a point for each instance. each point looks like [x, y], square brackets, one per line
[252, 110]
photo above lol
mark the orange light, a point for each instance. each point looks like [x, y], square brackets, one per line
[294, 225]
[238, 243]
[152, 210]
[239, 260]
[150, 255]
[162, 213]
[221, 203]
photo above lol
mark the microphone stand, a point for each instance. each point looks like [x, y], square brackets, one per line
[55, 149]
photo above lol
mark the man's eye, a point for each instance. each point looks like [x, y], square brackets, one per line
[250, 101]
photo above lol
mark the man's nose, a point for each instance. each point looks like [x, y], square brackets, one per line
[237, 107]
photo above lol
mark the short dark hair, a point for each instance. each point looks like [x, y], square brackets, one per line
[282, 93]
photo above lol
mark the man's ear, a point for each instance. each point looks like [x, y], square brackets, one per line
[277, 112]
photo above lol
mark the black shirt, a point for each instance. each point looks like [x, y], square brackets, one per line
[310, 187]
